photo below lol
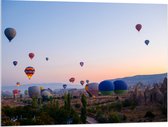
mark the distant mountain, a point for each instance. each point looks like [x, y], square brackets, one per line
[145, 79]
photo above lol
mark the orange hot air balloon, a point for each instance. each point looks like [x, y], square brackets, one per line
[29, 71]
[72, 79]
[31, 55]
[82, 82]
[18, 84]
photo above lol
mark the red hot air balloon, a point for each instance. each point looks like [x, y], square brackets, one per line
[29, 71]
[72, 79]
[82, 82]
[31, 55]
[15, 92]
[138, 27]
[81, 64]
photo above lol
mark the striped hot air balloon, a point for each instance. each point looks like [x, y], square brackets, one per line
[29, 71]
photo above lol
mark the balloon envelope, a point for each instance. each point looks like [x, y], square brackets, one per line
[18, 83]
[138, 27]
[93, 89]
[10, 33]
[46, 58]
[64, 86]
[31, 55]
[87, 81]
[106, 87]
[82, 82]
[16, 92]
[29, 71]
[34, 91]
[15, 63]
[46, 94]
[146, 42]
[72, 79]
[26, 92]
[120, 87]
[81, 64]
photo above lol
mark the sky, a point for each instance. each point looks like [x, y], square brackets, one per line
[102, 35]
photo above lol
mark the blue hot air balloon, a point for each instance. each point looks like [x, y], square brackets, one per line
[10, 33]
[64, 86]
[146, 42]
[15, 63]
[106, 87]
[120, 87]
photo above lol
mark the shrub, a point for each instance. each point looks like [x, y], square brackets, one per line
[149, 114]
[114, 118]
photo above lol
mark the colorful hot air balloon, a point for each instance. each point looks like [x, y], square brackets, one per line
[87, 81]
[15, 63]
[72, 79]
[138, 27]
[31, 55]
[93, 89]
[46, 58]
[81, 64]
[18, 84]
[106, 87]
[87, 89]
[10, 33]
[64, 86]
[82, 82]
[146, 42]
[120, 87]
[29, 71]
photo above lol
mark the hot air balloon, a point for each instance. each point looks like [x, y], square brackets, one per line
[15, 91]
[15, 63]
[82, 82]
[120, 87]
[34, 92]
[72, 79]
[87, 90]
[93, 89]
[41, 87]
[81, 64]
[10, 33]
[46, 94]
[138, 27]
[87, 81]
[31, 55]
[146, 42]
[46, 58]
[29, 71]
[26, 92]
[106, 87]
[64, 86]
[18, 84]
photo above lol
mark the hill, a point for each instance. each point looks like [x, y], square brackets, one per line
[145, 79]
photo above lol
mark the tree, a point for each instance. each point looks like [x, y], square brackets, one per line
[83, 109]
